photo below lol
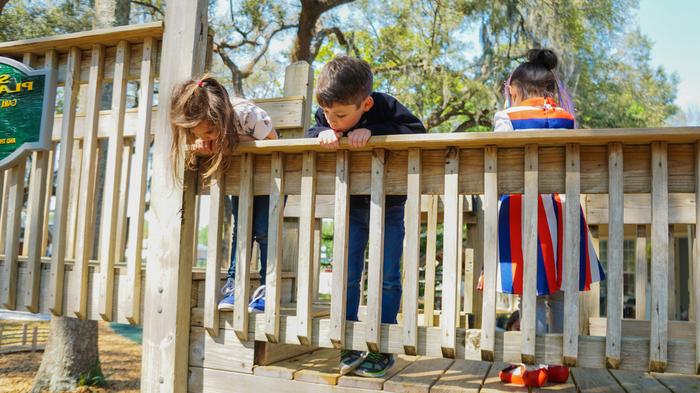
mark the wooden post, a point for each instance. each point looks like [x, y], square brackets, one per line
[431, 241]
[113, 173]
[341, 230]
[696, 260]
[306, 248]
[70, 100]
[214, 251]
[37, 195]
[167, 307]
[659, 257]
[529, 296]
[640, 273]
[273, 278]
[572, 253]
[138, 186]
[376, 250]
[451, 244]
[86, 198]
[411, 255]
[35, 332]
[616, 209]
[14, 212]
[490, 252]
[244, 236]
[25, 328]
[48, 193]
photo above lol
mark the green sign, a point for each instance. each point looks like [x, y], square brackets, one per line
[23, 120]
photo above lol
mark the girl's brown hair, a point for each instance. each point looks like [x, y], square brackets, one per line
[193, 102]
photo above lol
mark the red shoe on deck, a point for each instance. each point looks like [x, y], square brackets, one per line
[556, 373]
[520, 375]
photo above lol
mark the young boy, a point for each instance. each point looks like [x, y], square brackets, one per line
[349, 107]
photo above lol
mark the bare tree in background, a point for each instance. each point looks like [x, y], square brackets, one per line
[3, 3]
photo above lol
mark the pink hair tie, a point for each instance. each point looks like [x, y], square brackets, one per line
[200, 84]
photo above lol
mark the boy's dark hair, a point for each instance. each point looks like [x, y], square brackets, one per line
[344, 80]
[535, 77]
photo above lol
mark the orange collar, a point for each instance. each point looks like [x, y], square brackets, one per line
[539, 102]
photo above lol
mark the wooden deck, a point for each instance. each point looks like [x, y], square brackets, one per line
[318, 372]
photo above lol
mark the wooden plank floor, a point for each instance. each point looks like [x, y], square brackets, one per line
[439, 375]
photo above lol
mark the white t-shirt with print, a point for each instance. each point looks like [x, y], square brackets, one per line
[251, 120]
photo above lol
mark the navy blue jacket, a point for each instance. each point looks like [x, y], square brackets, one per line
[386, 117]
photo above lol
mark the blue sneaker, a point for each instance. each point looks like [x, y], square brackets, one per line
[349, 360]
[375, 365]
[257, 303]
[226, 304]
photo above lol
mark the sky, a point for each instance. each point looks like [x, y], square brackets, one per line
[672, 27]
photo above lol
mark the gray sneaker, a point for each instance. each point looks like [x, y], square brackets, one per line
[375, 365]
[349, 360]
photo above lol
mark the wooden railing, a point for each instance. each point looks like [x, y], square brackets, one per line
[613, 164]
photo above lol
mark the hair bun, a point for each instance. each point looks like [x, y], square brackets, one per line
[543, 57]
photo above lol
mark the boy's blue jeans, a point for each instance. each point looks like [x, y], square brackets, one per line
[393, 248]
[261, 212]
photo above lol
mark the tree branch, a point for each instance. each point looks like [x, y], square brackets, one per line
[321, 36]
[3, 3]
[145, 5]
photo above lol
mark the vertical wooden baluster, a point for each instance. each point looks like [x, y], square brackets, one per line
[431, 242]
[448, 317]
[195, 235]
[659, 257]
[411, 255]
[615, 244]
[696, 260]
[48, 193]
[122, 223]
[138, 185]
[72, 209]
[37, 209]
[110, 206]
[306, 248]
[340, 248]
[529, 296]
[59, 238]
[243, 248]
[376, 250]
[273, 278]
[86, 201]
[5, 195]
[490, 252]
[214, 254]
[572, 253]
[640, 273]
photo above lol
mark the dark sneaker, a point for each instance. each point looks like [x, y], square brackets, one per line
[349, 360]
[226, 304]
[375, 365]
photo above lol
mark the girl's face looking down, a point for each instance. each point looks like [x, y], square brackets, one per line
[205, 131]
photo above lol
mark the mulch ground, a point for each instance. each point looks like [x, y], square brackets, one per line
[119, 356]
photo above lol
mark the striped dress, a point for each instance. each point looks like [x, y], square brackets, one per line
[539, 113]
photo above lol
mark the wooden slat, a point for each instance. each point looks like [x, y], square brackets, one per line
[86, 201]
[451, 244]
[214, 254]
[590, 380]
[113, 174]
[138, 181]
[490, 252]
[14, 212]
[47, 201]
[244, 242]
[341, 232]
[637, 382]
[659, 258]
[493, 384]
[640, 273]
[419, 376]
[615, 244]
[572, 250]
[70, 101]
[122, 224]
[4, 195]
[376, 251]
[679, 383]
[306, 248]
[36, 208]
[462, 376]
[325, 371]
[286, 368]
[72, 212]
[430, 261]
[32, 163]
[273, 283]
[696, 261]
[529, 296]
[411, 255]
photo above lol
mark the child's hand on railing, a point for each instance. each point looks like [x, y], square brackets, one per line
[329, 139]
[359, 137]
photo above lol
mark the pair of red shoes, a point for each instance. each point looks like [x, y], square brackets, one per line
[534, 377]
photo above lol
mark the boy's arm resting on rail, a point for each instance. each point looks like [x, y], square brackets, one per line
[398, 120]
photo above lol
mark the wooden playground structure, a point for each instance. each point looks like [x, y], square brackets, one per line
[638, 188]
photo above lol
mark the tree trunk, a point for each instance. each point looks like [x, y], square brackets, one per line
[110, 13]
[3, 3]
[70, 353]
[305, 33]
